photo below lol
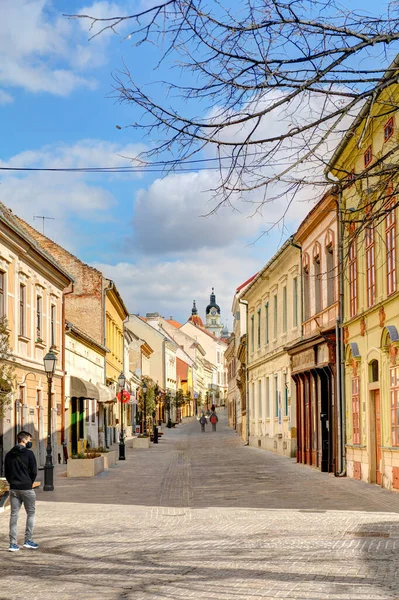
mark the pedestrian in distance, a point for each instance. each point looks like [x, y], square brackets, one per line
[21, 471]
[203, 422]
[213, 419]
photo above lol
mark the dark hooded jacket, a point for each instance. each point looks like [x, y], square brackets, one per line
[20, 468]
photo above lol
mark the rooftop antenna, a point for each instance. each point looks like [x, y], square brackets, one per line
[43, 219]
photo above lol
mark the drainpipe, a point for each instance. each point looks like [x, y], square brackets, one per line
[245, 303]
[64, 450]
[340, 348]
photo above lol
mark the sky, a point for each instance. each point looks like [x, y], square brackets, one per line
[150, 233]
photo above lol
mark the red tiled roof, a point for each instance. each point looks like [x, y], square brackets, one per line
[196, 320]
[243, 285]
[174, 323]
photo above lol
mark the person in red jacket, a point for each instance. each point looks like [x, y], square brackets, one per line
[21, 471]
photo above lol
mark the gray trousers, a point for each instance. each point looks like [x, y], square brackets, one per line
[17, 499]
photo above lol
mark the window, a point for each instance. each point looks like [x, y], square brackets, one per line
[388, 129]
[2, 295]
[356, 410]
[390, 242]
[330, 275]
[252, 333]
[353, 278]
[351, 176]
[93, 411]
[260, 398]
[285, 396]
[22, 308]
[295, 302]
[285, 309]
[306, 292]
[368, 156]
[370, 264]
[253, 401]
[276, 395]
[395, 405]
[317, 283]
[267, 393]
[275, 316]
[267, 322]
[38, 317]
[259, 328]
[53, 325]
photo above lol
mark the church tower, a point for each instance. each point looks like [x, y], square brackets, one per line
[213, 324]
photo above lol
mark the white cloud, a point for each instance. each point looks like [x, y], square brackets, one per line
[59, 195]
[42, 51]
[5, 98]
[169, 287]
[168, 216]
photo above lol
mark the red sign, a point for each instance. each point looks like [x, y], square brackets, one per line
[126, 397]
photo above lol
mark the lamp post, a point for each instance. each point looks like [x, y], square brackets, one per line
[144, 413]
[49, 366]
[121, 383]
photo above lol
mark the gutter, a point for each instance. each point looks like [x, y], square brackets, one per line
[340, 350]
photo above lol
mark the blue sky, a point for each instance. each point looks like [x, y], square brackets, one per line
[145, 232]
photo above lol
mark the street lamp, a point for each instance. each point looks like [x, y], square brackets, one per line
[144, 413]
[121, 383]
[49, 366]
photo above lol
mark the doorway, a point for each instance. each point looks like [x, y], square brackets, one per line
[377, 408]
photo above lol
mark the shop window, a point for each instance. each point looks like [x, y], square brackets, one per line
[353, 278]
[390, 243]
[330, 275]
[388, 129]
[368, 156]
[374, 376]
[318, 284]
[356, 410]
[394, 391]
[22, 309]
[306, 293]
[370, 265]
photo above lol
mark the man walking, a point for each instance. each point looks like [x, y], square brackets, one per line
[20, 471]
[214, 419]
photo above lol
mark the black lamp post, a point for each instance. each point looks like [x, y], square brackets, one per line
[49, 366]
[121, 383]
[144, 413]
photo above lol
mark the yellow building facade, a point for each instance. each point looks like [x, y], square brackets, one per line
[371, 292]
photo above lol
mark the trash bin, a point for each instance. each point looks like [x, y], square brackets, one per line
[155, 435]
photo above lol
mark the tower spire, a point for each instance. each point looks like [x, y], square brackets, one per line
[194, 310]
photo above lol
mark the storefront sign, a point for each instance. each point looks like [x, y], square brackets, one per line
[303, 360]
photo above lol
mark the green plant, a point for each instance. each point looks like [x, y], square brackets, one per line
[143, 435]
[100, 449]
[82, 455]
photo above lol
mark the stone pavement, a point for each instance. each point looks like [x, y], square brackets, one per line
[200, 516]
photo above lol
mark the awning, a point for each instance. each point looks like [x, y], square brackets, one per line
[106, 394]
[80, 388]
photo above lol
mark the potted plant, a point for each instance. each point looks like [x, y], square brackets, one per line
[108, 455]
[85, 464]
[141, 441]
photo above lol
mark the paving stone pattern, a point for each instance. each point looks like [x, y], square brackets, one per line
[203, 516]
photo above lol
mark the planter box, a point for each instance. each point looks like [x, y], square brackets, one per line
[85, 467]
[109, 458]
[129, 442]
[141, 442]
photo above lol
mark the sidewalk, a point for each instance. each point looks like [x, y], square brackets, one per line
[200, 516]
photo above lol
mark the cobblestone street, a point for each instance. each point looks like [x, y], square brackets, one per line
[202, 516]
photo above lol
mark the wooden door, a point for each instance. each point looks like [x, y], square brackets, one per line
[377, 437]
